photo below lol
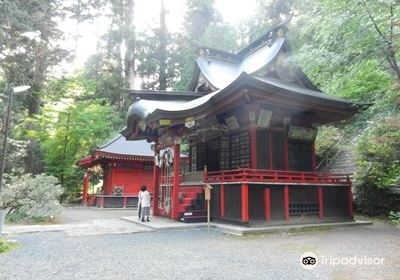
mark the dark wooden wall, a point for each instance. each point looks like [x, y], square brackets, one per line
[233, 202]
[335, 201]
[277, 210]
[256, 202]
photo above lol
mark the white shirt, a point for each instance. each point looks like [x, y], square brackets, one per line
[144, 198]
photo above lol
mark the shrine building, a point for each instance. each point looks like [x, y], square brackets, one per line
[249, 121]
[124, 166]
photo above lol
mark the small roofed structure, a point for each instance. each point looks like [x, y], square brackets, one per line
[251, 136]
[125, 167]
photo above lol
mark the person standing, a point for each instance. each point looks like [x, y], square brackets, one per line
[145, 204]
[142, 189]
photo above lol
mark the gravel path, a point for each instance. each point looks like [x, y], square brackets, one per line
[79, 214]
[196, 254]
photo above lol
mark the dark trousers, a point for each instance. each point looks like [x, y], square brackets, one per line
[139, 210]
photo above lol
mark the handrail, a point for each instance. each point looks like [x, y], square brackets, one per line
[283, 176]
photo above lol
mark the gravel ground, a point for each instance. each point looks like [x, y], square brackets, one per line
[196, 254]
[79, 214]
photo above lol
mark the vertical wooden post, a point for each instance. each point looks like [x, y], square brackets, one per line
[313, 159]
[245, 203]
[86, 179]
[156, 182]
[286, 202]
[176, 181]
[350, 201]
[267, 204]
[320, 203]
[253, 147]
[222, 201]
[124, 201]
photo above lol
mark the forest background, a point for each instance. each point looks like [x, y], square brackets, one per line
[348, 48]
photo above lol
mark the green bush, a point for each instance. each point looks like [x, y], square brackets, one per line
[378, 167]
[5, 246]
[394, 217]
[31, 198]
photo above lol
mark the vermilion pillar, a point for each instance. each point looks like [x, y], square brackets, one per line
[86, 179]
[267, 204]
[320, 202]
[350, 201]
[222, 201]
[245, 203]
[156, 182]
[253, 147]
[176, 181]
[286, 202]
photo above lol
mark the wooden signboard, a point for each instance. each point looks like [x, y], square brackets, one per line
[207, 191]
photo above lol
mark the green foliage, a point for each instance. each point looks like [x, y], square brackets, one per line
[6, 246]
[326, 143]
[67, 129]
[394, 217]
[379, 153]
[378, 166]
[31, 197]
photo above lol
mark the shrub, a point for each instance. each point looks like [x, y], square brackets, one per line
[31, 197]
[5, 246]
[394, 217]
[378, 167]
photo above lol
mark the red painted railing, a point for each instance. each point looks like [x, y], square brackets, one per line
[277, 177]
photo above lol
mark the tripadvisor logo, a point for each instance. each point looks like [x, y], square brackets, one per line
[308, 260]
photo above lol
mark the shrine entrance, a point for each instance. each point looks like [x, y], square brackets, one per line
[165, 162]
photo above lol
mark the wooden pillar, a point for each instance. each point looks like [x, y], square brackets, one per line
[253, 147]
[320, 202]
[176, 182]
[124, 201]
[86, 179]
[156, 182]
[313, 159]
[245, 203]
[222, 201]
[286, 202]
[350, 201]
[267, 204]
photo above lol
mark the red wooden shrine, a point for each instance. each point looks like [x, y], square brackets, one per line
[125, 167]
[249, 121]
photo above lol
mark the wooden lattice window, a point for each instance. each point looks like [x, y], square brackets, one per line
[240, 150]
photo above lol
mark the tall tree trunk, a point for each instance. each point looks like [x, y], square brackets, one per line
[162, 77]
[129, 36]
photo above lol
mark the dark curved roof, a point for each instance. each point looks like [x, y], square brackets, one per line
[120, 149]
[263, 66]
[120, 146]
[150, 111]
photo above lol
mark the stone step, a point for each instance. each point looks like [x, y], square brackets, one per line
[193, 213]
[194, 219]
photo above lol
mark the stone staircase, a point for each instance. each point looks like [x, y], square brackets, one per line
[192, 205]
[342, 162]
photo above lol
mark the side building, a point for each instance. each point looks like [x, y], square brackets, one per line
[124, 167]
